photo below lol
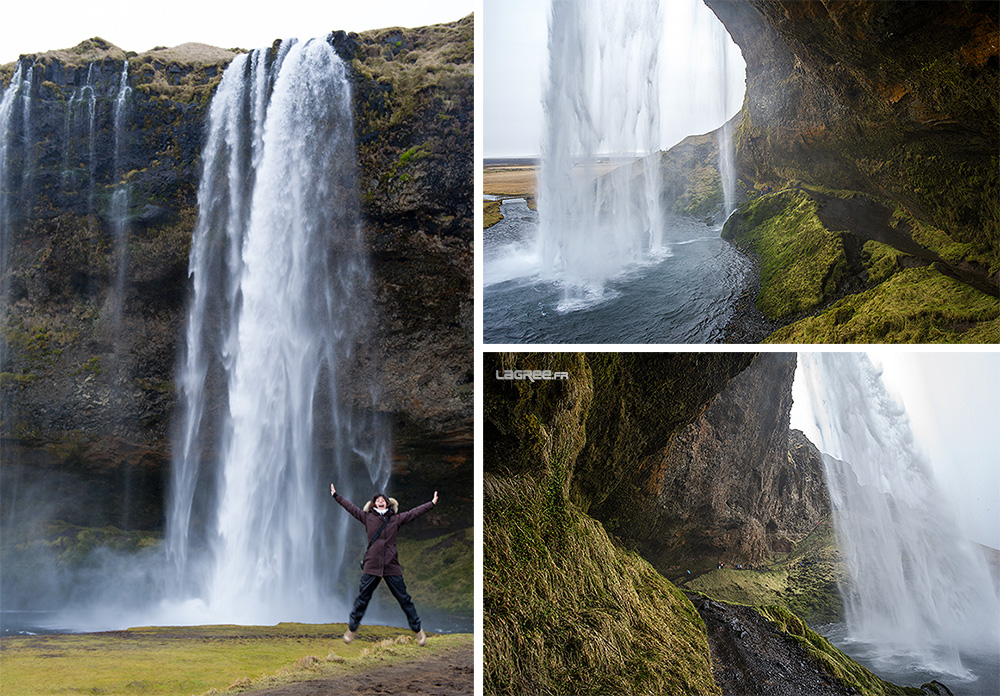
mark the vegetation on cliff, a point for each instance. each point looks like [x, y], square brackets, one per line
[566, 610]
[889, 102]
[565, 605]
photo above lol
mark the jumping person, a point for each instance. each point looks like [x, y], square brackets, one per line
[382, 521]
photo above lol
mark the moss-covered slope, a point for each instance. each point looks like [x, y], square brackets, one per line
[567, 610]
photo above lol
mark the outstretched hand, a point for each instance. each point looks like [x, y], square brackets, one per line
[435, 499]
[333, 490]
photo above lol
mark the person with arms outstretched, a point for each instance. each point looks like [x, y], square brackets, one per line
[382, 520]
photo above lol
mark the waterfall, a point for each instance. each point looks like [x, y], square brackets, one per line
[280, 296]
[601, 112]
[727, 164]
[119, 204]
[7, 111]
[918, 589]
[91, 95]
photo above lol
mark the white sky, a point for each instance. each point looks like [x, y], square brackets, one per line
[953, 402]
[515, 68]
[29, 28]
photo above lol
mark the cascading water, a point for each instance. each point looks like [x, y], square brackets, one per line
[119, 202]
[90, 93]
[601, 109]
[280, 287]
[727, 163]
[918, 591]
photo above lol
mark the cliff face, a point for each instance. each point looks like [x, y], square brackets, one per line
[87, 377]
[884, 119]
[899, 99]
[726, 487]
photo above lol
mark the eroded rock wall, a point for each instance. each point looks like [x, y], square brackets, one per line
[897, 99]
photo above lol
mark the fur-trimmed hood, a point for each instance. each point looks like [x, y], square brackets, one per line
[393, 504]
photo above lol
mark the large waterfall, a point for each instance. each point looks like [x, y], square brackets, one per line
[601, 113]
[918, 590]
[280, 283]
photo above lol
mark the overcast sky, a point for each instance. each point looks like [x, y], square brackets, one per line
[29, 28]
[953, 402]
[515, 68]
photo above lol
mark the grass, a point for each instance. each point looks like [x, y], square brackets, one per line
[440, 574]
[802, 262]
[567, 611]
[491, 213]
[172, 661]
[917, 305]
[831, 659]
[803, 581]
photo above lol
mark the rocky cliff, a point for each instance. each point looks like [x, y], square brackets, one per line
[727, 487]
[88, 395]
[636, 463]
[877, 127]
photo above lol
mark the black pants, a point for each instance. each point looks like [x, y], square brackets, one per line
[398, 589]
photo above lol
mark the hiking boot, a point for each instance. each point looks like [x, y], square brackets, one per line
[349, 636]
[421, 637]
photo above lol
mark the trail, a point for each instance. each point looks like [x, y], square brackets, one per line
[447, 672]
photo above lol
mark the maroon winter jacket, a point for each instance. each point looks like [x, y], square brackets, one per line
[382, 558]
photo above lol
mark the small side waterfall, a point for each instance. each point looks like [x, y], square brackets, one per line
[918, 590]
[120, 201]
[727, 157]
[89, 92]
[280, 296]
[7, 111]
[601, 112]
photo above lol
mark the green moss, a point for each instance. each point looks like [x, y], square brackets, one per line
[918, 305]
[833, 661]
[802, 262]
[491, 213]
[881, 261]
[803, 581]
[440, 576]
[92, 366]
[634, 633]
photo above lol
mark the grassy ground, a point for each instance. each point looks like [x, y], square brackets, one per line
[510, 180]
[172, 661]
[491, 213]
[916, 305]
[803, 581]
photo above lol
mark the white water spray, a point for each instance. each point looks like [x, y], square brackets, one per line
[280, 288]
[601, 113]
[918, 590]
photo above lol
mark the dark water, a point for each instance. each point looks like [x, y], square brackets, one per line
[982, 677]
[686, 297]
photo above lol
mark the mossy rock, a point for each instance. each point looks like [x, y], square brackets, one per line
[833, 661]
[802, 262]
[917, 305]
